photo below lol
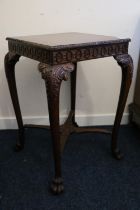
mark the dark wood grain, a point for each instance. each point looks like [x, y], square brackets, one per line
[58, 55]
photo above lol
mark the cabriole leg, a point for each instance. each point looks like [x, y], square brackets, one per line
[53, 76]
[126, 64]
[10, 62]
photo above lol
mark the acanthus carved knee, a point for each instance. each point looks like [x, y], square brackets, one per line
[53, 75]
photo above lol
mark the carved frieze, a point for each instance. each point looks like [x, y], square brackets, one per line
[34, 52]
[88, 53]
[67, 55]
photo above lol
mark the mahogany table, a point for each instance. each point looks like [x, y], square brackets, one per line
[58, 55]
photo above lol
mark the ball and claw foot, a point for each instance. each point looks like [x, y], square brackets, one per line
[57, 186]
[18, 147]
[117, 154]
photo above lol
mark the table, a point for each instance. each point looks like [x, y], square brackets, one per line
[58, 55]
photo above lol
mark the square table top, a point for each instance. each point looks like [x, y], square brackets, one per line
[66, 47]
[60, 40]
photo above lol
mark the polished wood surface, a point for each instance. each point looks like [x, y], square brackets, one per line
[65, 39]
